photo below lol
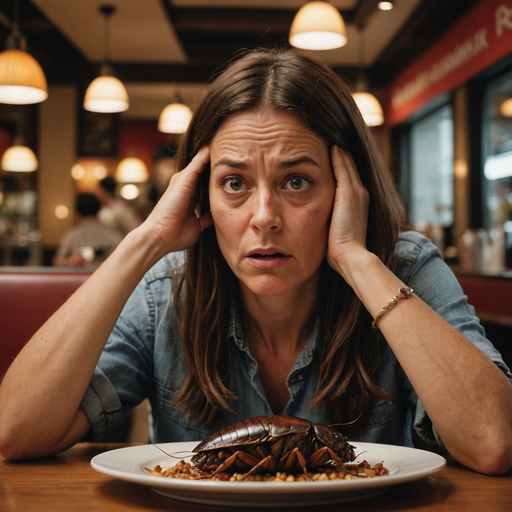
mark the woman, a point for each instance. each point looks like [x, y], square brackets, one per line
[294, 250]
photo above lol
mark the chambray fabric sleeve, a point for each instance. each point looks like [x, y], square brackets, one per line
[122, 376]
[423, 269]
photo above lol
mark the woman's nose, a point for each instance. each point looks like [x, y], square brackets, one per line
[266, 215]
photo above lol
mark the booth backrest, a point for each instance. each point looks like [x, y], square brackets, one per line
[490, 296]
[27, 300]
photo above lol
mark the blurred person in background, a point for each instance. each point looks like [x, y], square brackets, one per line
[114, 212]
[90, 242]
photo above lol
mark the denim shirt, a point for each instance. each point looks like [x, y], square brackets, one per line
[144, 358]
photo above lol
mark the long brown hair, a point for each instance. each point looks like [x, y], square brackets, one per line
[285, 80]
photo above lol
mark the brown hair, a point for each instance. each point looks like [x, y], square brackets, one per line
[285, 80]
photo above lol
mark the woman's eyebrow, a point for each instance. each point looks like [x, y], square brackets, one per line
[287, 164]
[242, 166]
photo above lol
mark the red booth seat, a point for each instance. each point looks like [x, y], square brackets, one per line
[491, 296]
[27, 299]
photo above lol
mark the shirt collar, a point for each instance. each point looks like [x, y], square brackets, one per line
[235, 331]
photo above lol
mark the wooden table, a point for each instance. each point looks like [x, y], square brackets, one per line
[67, 483]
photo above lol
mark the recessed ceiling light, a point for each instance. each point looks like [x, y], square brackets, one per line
[385, 6]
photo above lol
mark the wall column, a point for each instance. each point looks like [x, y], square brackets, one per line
[57, 154]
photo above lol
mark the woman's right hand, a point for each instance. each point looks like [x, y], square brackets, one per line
[173, 220]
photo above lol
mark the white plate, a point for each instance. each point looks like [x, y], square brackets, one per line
[404, 464]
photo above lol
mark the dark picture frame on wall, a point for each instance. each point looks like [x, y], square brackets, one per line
[97, 134]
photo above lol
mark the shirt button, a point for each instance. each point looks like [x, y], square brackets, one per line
[300, 377]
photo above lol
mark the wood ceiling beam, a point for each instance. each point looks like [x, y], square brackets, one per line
[238, 20]
[226, 20]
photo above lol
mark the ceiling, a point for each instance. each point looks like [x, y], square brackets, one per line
[165, 49]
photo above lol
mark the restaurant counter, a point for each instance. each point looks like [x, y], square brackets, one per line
[67, 482]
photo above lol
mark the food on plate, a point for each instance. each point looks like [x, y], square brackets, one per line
[273, 445]
[187, 471]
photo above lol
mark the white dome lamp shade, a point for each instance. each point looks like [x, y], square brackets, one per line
[174, 118]
[19, 158]
[22, 80]
[131, 170]
[370, 108]
[106, 94]
[318, 26]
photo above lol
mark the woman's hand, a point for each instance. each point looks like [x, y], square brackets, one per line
[173, 219]
[347, 233]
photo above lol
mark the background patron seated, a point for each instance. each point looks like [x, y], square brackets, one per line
[90, 242]
[114, 212]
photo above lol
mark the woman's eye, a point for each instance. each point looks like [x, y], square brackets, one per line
[234, 185]
[298, 183]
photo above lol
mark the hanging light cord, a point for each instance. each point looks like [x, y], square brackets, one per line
[16, 21]
[15, 40]
[361, 79]
[106, 11]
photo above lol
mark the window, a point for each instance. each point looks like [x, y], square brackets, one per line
[497, 155]
[431, 169]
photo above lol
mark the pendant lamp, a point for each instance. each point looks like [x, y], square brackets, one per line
[367, 103]
[106, 93]
[22, 80]
[175, 118]
[131, 170]
[318, 26]
[369, 107]
[19, 157]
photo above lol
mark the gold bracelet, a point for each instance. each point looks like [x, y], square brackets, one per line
[403, 293]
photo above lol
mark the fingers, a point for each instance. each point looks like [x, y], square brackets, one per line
[189, 176]
[196, 165]
[344, 167]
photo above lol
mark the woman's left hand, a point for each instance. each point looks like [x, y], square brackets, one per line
[347, 233]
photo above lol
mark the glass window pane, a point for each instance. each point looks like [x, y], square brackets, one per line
[432, 169]
[497, 154]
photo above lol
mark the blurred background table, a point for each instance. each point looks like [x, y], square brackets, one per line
[67, 482]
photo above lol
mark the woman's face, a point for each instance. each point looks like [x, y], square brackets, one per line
[271, 196]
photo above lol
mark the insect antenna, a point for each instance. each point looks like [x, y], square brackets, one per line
[174, 455]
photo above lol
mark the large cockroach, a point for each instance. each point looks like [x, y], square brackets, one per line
[272, 443]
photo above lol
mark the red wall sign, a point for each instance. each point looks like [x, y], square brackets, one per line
[478, 40]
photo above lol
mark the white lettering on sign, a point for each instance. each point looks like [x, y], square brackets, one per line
[461, 54]
[503, 19]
